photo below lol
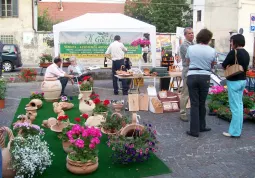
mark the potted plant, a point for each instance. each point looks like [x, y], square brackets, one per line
[2, 92]
[118, 105]
[84, 158]
[62, 122]
[25, 129]
[114, 123]
[101, 107]
[135, 147]
[63, 135]
[66, 62]
[28, 74]
[45, 60]
[86, 87]
[29, 156]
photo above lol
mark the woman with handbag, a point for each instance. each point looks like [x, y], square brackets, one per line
[235, 65]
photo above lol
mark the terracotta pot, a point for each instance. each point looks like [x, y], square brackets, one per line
[44, 65]
[109, 132]
[6, 156]
[117, 107]
[2, 104]
[86, 94]
[66, 146]
[66, 105]
[59, 126]
[104, 114]
[86, 108]
[31, 113]
[77, 167]
[95, 121]
[51, 89]
[131, 127]
[35, 103]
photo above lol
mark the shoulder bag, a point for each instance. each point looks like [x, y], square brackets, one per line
[233, 69]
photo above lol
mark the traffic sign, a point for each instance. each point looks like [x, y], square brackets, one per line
[252, 23]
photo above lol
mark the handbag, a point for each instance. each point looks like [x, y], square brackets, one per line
[233, 69]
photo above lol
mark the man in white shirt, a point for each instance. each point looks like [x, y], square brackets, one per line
[54, 71]
[117, 51]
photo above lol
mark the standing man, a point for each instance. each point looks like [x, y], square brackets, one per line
[189, 37]
[117, 51]
[54, 71]
[1, 60]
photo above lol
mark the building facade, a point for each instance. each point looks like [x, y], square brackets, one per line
[224, 18]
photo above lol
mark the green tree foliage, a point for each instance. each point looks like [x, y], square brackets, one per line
[45, 23]
[166, 15]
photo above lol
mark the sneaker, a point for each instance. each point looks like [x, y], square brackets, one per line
[226, 134]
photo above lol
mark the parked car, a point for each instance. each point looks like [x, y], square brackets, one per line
[11, 57]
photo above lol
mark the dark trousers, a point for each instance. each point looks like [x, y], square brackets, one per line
[63, 81]
[145, 57]
[116, 65]
[198, 86]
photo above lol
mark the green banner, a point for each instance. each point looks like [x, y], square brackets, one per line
[95, 44]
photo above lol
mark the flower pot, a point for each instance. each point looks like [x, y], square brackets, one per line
[59, 126]
[86, 94]
[104, 114]
[109, 132]
[51, 90]
[7, 172]
[117, 107]
[44, 65]
[35, 103]
[2, 104]
[66, 147]
[86, 108]
[66, 105]
[77, 167]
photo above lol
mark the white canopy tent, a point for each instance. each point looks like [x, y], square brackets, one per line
[106, 22]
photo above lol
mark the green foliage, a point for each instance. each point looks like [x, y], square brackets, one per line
[166, 15]
[44, 58]
[63, 136]
[224, 113]
[2, 88]
[248, 102]
[115, 122]
[45, 23]
[220, 97]
[37, 95]
[86, 86]
[214, 106]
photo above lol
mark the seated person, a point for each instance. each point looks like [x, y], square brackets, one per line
[77, 70]
[54, 71]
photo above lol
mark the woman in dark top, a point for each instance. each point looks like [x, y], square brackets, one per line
[236, 84]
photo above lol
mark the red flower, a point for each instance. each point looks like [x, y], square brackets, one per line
[77, 119]
[85, 116]
[250, 93]
[215, 110]
[79, 82]
[62, 118]
[86, 78]
[106, 102]
[96, 101]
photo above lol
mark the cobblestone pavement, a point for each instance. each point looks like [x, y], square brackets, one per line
[209, 156]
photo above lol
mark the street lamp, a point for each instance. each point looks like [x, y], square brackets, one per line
[231, 33]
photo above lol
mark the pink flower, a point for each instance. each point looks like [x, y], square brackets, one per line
[92, 146]
[85, 133]
[109, 144]
[132, 146]
[147, 149]
[95, 140]
[79, 143]
[76, 129]
[71, 140]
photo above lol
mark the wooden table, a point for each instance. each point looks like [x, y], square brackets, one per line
[174, 76]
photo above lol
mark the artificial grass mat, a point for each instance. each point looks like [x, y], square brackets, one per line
[154, 166]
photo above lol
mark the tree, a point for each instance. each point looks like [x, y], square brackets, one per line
[166, 15]
[45, 23]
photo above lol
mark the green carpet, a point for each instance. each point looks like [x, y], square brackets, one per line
[106, 169]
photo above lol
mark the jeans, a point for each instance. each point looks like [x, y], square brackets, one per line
[184, 95]
[63, 81]
[198, 86]
[235, 97]
[116, 65]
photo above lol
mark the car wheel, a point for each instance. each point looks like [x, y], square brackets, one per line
[7, 66]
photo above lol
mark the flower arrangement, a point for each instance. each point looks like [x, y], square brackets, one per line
[30, 156]
[3, 87]
[101, 106]
[63, 135]
[37, 95]
[114, 123]
[27, 129]
[137, 149]
[28, 74]
[63, 118]
[84, 141]
[66, 99]
[141, 42]
[44, 58]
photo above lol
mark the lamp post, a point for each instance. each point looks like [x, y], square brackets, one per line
[231, 33]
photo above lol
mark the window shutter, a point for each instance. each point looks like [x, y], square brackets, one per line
[0, 8]
[15, 8]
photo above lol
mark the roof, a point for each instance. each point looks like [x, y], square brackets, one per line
[106, 21]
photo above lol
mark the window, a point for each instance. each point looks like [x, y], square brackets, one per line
[6, 39]
[199, 15]
[8, 8]
[8, 49]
